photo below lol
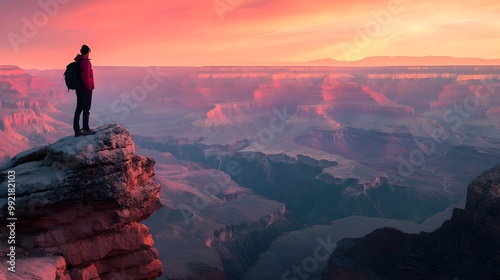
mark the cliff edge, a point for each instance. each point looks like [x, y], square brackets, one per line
[465, 247]
[78, 204]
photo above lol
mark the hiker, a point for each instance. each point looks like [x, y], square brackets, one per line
[84, 93]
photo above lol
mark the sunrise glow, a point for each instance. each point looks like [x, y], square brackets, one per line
[47, 33]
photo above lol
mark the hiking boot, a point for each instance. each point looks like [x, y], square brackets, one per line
[78, 133]
[88, 132]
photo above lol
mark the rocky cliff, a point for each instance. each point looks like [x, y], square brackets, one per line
[465, 247]
[15, 78]
[26, 113]
[78, 204]
[209, 227]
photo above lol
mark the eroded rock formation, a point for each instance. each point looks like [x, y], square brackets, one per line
[465, 247]
[78, 206]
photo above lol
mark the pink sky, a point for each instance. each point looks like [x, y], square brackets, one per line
[192, 32]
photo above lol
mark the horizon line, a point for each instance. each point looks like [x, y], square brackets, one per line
[277, 65]
[370, 62]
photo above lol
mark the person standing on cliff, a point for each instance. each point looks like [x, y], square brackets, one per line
[84, 94]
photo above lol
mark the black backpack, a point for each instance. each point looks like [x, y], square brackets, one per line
[72, 76]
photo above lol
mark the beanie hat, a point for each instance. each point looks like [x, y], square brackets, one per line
[84, 50]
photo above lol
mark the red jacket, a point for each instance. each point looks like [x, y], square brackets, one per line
[86, 72]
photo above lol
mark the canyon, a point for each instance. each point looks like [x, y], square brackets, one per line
[252, 159]
[464, 247]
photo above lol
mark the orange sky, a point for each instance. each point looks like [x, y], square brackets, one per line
[192, 32]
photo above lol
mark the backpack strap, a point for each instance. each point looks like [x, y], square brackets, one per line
[79, 72]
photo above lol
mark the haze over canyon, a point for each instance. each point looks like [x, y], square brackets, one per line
[256, 172]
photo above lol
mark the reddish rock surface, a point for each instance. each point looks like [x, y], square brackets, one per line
[79, 202]
[24, 112]
[14, 78]
[465, 247]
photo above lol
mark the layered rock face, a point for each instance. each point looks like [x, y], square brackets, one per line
[78, 204]
[18, 79]
[209, 227]
[465, 247]
[25, 113]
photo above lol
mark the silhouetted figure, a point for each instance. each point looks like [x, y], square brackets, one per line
[84, 94]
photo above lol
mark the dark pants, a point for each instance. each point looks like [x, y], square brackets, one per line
[83, 104]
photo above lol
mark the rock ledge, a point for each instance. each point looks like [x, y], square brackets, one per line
[79, 202]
